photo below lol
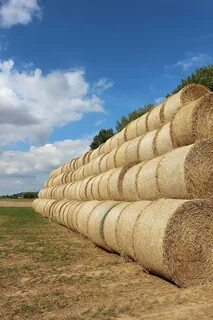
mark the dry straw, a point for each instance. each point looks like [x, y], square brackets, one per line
[188, 94]
[96, 222]
[125, 227]
[174, 239]
[110, 226]
[193, 122]
[83, 216]
[150, 121]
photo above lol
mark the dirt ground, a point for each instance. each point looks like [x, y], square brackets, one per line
[50, 272]
[22, 203]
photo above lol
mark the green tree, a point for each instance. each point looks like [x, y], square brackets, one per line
[202, 76]
[102, 136]
[122, 123]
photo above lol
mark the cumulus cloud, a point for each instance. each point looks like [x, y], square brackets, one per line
[192, 61]
[14, 12]
[32, 104]
[24, 171]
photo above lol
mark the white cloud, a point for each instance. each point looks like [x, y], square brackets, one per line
[14, 12]
[24, 171]
[32, 104]
[159, 100]
[102, 85]
[99, 122]
[192, 61]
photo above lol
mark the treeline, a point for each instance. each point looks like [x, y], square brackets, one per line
[202, 76]
[21, 195]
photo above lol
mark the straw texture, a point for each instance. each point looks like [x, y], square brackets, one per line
[173, 238]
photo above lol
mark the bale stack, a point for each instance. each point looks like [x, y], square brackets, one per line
[147, 192]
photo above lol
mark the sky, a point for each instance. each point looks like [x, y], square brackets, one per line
[69, 68]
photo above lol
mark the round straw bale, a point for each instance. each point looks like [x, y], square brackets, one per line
[68, 213]
[114, 142]
[174, 239]
[120, 155]
[35, 203]
[68, 177]
[146, 146]
[84, 214]
[64, 168]
[74, 215]
[162, 141]
[186, 95]
[50, 182]
[171, 176]
[198, 169]
[106, 147]
[153, 120]
[70, 191]
[110, 225]
[104, 184]
[88, 188]
[96, 165]
[63, 215]
[58, 211]
[110, 161]
[95, 188]
[125, 226]
[193, 121]
[103, 164]
[88, 169]
[121, 137]
[141, 128]
[132, 150]
[114, 184]
[87, 157]
[47, 210]
[83, 188]
[96, 222]
[79, 174]
[146, 182]
[128, 187]
[131, 130]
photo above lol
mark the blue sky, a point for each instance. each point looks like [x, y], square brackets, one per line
[118, 54]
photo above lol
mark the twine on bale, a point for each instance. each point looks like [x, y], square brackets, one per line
[125, 227]
[83, 216]
[153, 119]
[162, 142]
[110, 226]
[96, 223]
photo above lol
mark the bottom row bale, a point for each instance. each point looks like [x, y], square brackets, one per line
[169, 237]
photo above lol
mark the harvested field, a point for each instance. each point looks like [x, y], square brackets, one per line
[16, 203]
[50, 272]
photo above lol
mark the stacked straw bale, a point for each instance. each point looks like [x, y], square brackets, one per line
[146, 193]
[152, 120]
[169, 237]
[191, 123]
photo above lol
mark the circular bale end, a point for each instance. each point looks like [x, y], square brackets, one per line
[199, 169]
[188, 244]
[192, 92]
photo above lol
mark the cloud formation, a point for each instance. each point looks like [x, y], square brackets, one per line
[192, 61]
[13, 12]
[25, 171]
[32, 104]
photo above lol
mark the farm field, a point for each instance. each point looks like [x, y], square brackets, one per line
[18, 203]
[50, 272]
